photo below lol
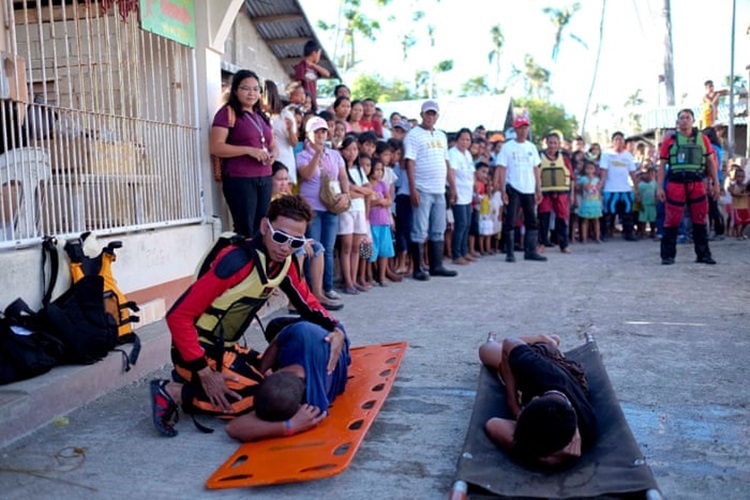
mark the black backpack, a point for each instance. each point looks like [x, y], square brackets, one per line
[79, 317]
[26, 348]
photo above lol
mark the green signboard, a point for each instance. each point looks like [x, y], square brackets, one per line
[173, 19]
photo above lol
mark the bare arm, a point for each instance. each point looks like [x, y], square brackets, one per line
[451, 178]
[291, 132]
[501, 431]
[634, 178]
[510, 380]
[711, 170]
[414, 194]
[307, 171]
[500, 173]
[320, 69]
[660, 173]
[538, 187]
[251, 428]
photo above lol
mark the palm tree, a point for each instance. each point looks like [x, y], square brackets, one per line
[536, 77]
[475, 86]
[352, 23]
[560, 19]
[498, 40]
[441, 67]
[596, 67]
[635, 101]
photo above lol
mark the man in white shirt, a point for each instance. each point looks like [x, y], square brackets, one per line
[428, 170]
[518, 178]
[618, 172]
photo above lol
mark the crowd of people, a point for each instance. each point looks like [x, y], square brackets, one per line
[343, 192]
[406, 194]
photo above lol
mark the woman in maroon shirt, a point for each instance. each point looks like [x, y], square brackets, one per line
[242, 136]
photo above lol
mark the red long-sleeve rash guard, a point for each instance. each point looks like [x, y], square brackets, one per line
[231, 266]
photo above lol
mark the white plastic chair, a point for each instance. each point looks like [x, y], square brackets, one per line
[23, 174]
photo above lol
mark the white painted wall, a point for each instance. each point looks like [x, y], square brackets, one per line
[146, 259]
[149, 258]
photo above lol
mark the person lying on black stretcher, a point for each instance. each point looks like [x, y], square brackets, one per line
[548, 398]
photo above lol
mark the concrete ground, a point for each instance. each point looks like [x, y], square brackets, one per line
[674, 341]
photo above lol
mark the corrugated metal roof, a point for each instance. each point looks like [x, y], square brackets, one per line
[285, 28]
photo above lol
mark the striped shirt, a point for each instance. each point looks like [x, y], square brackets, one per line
[429, 150]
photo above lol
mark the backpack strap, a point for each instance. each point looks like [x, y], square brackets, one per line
[49, 246]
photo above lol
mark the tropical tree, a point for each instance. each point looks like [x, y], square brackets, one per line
[633, 102]
[498, 40]
[560, 19]
[545, 116]
[409, 39]
[441, 67]
[421, 83]
[475, 86]
[738, 84]
[352, 23]
[373, 86]
[537, 78]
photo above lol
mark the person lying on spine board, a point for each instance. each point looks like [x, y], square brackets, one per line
[548, 397]
[306, 367]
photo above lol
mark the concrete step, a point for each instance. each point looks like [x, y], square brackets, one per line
[30, 404]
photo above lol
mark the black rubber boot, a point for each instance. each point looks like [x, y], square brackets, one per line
[627, 227]
[509, 243]
[561, 228]
[435, 249]
[529, 250]
[668, 245]
[544, 219]
[700, 240]
[417, 250]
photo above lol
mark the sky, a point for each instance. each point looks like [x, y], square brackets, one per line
[631, 56]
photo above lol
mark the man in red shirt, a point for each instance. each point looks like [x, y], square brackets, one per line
[308, 71]
[213, 374]
[690, 158]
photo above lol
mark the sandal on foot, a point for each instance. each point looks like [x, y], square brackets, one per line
[164, 409]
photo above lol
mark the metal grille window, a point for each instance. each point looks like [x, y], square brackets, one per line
[98, 123]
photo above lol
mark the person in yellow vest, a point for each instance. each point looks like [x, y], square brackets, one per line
[213, 374]
[711, 104]
[556, 174]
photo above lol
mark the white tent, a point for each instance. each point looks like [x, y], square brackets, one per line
[495, 112]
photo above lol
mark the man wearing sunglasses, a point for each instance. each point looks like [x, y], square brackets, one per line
[213, 374]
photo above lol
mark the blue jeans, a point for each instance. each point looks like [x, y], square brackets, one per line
[428, 219]
[462, 220]
[323, 228]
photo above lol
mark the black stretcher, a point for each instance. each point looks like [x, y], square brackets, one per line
[613, 468]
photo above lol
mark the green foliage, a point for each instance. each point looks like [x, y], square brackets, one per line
[560, 19]
[546, 117]
[444, 66]
[373, 86]
[537, 78]
[475, 86]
